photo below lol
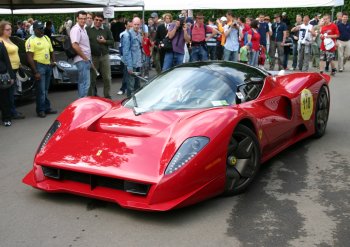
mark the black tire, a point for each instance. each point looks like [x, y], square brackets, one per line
[243, 160]
[321, 112]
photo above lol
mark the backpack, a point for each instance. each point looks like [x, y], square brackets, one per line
[245, 37]
[121, 43]
[68, 48]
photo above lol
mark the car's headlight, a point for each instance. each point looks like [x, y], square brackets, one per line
[114, 57]
[64, 64]
[48, 135]
[190, 148]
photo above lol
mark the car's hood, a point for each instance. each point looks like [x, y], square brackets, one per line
[123, 145]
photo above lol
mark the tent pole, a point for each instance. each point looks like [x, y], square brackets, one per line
[333, 9]
[143, 19]
[12, 17]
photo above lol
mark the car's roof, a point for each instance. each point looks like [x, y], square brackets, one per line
[230, 70]
[219, 65]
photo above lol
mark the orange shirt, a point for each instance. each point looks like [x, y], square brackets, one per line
[221, 29]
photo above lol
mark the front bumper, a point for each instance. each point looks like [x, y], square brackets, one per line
[37, 179]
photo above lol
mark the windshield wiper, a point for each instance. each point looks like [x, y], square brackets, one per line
[135, 106]
[136, 109]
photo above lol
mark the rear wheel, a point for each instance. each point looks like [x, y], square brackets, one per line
[243, 160]
[321, 112]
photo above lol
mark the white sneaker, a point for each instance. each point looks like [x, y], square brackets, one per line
[120, 92]
[7, 123]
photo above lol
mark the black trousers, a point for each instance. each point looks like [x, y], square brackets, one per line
[5, 104]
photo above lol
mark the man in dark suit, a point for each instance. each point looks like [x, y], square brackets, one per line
[161, 32]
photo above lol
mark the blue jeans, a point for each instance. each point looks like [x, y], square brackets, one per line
[285, 60]
[295, 55]
[83, 77]
[199, 53]
[133, 83]
[172, 59]
[254, 57]
[230, 55]
[42, 87]
[212, 52]
[125, 79]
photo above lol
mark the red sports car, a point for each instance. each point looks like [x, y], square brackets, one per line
[194, 132]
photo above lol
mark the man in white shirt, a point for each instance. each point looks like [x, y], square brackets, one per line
[304, 43]
[81, 44]
[232, 33]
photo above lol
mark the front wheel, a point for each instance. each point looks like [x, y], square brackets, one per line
[243, 160]
[321, 112]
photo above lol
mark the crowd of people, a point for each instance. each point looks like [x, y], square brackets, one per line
[166, 42]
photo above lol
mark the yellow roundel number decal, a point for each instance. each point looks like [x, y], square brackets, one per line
[307, 104]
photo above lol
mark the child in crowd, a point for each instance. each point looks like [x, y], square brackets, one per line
[243, 53]
[262, 56]
[146, 47]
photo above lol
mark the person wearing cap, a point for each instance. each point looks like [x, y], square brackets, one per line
[199, 39]
[81, 45]
[278, 38]
[343, 41]
[220, 23]
[158, 54]
[41, 59]
[100, 39]
[314, 21]
[329, 34]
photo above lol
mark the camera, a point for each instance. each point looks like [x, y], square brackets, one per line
[99, 37]
[182, 22]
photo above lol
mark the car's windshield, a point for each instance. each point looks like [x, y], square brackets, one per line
[186, 88]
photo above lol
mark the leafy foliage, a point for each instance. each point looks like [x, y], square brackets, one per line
[58, 19]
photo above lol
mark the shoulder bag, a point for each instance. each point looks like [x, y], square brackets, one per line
[5, 78]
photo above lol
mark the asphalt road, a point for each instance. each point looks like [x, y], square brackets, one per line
[300, 198]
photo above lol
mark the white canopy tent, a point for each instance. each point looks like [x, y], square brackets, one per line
[157, 5]
[237, 4]
[66, 6]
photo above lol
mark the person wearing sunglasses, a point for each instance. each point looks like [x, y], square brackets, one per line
[12, 50]
[101, 38]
